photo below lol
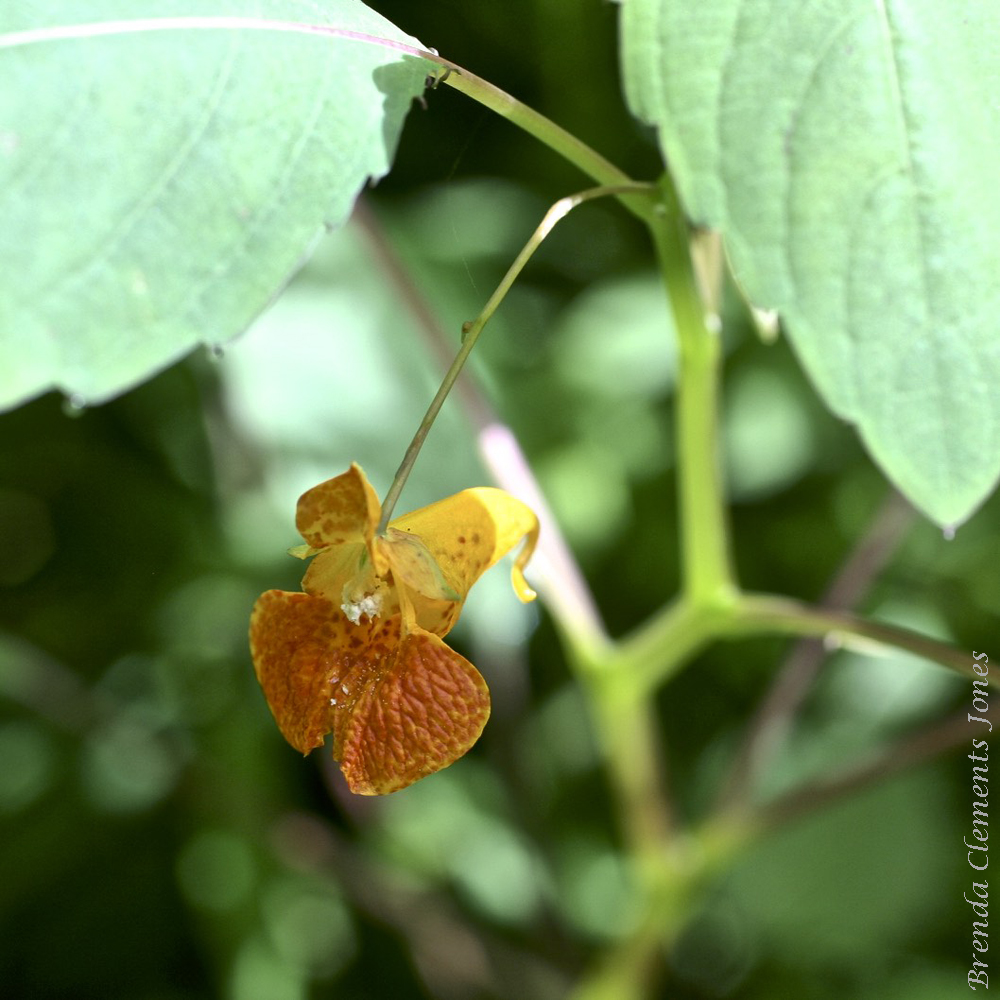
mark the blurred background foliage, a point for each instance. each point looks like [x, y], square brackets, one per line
[161, 842]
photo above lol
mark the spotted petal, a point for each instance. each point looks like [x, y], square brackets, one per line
[298, 644]
[468, 532]
[342, 510]
[425, 708]
[336, 566]
[400, 706]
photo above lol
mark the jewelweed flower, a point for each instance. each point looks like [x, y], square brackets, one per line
[359, 652]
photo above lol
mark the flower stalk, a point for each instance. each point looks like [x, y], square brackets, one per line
[472, 330]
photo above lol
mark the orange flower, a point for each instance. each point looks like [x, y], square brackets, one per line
[360, 653]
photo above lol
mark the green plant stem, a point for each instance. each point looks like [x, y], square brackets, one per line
[672, 889]
[621, 682]
[763, 613]
[631, 744]
[666, 874]
[471, 331]
[710, 607]
[410, 457]
[707, 572]
[567, 145]
[653, 653]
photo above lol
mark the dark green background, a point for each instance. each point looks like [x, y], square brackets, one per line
[160, 841]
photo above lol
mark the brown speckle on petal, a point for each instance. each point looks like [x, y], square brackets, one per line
[299, 648]
[341, 509]
[425, 711]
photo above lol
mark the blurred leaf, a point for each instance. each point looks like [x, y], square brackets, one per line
[330, 374]
[308, 925]
[920, 981]
[860, 702]
[495, 868]
[450, 828]
[216, 870]
[852, 881]
[595, 889]
[894, 687]
[482, 218]
[30, 764]
[849, 154]
[588, 490]
[26, 538]
[617, 339]
[769, 443]
[128, 765]
[260, 972]
[159, 188]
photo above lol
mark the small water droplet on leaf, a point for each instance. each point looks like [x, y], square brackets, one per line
[74, 405]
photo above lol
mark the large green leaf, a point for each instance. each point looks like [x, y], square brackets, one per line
[849, 151]
[157, 189]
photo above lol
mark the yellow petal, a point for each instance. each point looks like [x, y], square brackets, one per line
[423, 594]
[413, 565]
[343, 509]
[423, 709]
[468, 532]
[333, 567]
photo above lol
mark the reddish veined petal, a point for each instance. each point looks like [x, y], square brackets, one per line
[343, 509]
[423, 713]
[305, 654]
